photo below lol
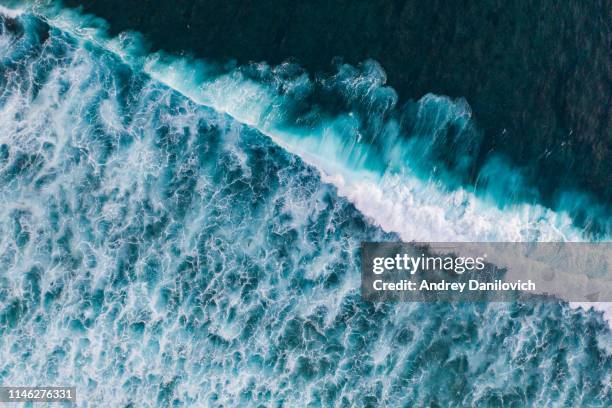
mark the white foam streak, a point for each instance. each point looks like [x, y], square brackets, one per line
[12, 13]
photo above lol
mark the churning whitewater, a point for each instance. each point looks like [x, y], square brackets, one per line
[157, 252]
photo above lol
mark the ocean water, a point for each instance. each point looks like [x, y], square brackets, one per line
[171, 235]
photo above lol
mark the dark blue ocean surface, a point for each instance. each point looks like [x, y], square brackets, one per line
[536, 73]
[155, 252]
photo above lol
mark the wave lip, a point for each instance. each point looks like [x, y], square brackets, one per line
[378, 178]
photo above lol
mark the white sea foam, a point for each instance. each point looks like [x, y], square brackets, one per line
[400, 202]
[176, 327]
[10, 12]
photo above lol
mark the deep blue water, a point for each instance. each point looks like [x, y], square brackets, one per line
[157, 252]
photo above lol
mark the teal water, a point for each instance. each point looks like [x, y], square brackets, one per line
[157, 252]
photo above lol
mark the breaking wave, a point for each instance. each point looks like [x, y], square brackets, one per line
[155, 251]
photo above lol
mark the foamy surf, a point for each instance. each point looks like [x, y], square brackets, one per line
[156, 252]
[390, 193]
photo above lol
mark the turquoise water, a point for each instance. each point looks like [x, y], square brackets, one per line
[157, 252]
